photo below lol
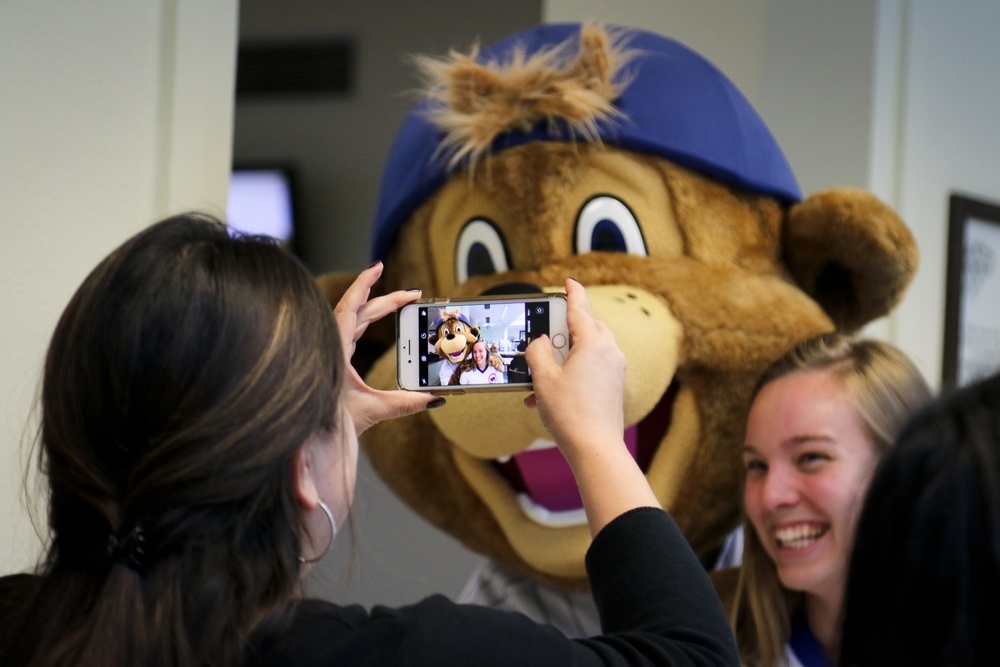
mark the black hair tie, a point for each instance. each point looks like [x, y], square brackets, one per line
[129, 550]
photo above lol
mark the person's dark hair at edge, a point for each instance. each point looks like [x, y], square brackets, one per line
[181, 379]
[925, 572]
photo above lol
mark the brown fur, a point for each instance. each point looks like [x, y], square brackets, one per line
[734, 279]
[478, 102]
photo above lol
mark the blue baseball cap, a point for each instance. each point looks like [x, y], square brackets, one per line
[442, 320]
[677, 105]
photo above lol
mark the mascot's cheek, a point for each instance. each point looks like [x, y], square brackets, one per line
[648, 334]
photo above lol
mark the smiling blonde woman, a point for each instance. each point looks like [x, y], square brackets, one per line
[822, 417]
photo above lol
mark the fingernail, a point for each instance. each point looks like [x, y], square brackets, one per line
[375, 263]
[436, 403]
[575, 280]
[414, 289]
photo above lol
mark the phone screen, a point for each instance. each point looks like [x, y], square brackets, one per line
[497, 357]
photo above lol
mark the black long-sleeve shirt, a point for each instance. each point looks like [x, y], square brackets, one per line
[656, 603]
[655, 600]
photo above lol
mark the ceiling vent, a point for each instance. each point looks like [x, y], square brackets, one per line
[295, 69]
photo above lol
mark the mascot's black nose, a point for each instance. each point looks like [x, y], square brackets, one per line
[511, 288]
[450, 337]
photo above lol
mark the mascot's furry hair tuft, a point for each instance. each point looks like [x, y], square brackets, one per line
[477, 102]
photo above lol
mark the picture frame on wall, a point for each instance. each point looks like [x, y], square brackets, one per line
[972, 298]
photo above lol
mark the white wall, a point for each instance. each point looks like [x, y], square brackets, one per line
[950, 141]
[113, 114]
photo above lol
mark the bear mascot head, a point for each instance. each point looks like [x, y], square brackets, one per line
[629, 162]
[452, 338]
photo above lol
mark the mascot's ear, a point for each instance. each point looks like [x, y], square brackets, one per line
[474, 331]
[432, 339]
[380, 335]
[850, 253]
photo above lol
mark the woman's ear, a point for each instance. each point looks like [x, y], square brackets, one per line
[851, 253]
[302, 477]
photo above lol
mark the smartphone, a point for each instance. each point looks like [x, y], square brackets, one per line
[471, 345]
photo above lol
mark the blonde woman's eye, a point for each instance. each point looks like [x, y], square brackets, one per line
[813, 458]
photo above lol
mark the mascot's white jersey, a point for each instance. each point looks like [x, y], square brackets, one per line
[446, 371]
[493, 586]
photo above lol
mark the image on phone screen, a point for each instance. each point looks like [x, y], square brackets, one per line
[497, 357]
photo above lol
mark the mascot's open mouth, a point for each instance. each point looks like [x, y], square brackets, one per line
[544, 482]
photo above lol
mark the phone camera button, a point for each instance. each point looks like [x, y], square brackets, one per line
[559, 341]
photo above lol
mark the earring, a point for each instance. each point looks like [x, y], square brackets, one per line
[333, 536]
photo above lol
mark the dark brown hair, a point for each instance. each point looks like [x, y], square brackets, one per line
[924, 575]
[181, 380]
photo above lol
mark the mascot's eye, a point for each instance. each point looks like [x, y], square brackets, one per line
[605, 224]
[481, 251]
[445, 332]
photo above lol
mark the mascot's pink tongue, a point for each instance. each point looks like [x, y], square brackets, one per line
[548, 479]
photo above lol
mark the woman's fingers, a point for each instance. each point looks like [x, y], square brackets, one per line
[346, 311]
[584, 395]
[539, 356]
[357, 294]
[578, 318]
[370, 406]
[380, 306]
[353, 313]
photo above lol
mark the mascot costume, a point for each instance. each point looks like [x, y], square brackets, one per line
[629, 162]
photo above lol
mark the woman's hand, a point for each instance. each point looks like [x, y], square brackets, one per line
[582, 400]
[354, 312]
[582, 404]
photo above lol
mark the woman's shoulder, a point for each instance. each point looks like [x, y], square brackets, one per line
[435, 630]
[311, 635]
[319, 632]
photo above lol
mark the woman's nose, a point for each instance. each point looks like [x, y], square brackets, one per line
[780, 489]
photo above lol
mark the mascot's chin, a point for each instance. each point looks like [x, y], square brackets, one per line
[627, 161]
